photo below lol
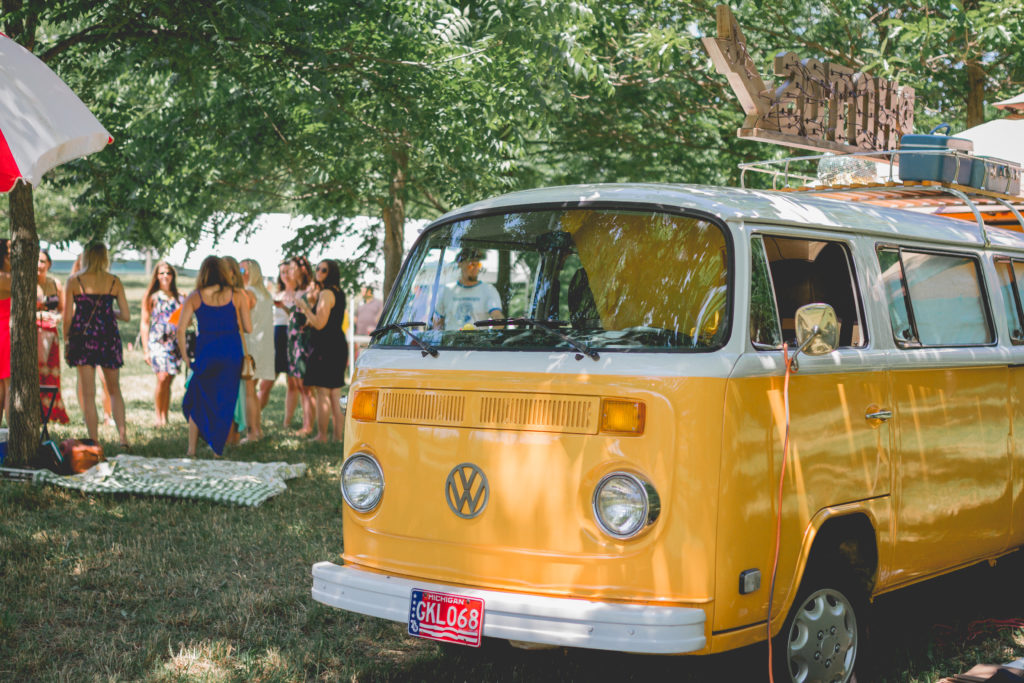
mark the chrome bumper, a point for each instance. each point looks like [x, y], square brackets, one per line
[517, 616]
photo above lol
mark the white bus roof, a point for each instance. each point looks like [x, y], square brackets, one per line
[765, 207]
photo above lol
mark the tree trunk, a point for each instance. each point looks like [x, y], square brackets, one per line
[975, 77]
[975, 94]
[23, 387]
[394, 223]
[24, 405]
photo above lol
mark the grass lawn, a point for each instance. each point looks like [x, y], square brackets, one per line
[126, 588]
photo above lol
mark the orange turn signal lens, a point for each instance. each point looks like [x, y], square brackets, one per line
[622, 417]
[364, 405]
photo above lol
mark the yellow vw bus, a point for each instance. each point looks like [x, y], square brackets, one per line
[575, 424]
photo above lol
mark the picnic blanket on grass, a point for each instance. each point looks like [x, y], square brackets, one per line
[220, 481]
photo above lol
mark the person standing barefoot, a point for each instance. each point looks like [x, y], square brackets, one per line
[223, 315]
[298, 341]
[159, 333]
[260, 343]
[49, 310]
[91, 335]
[325, 369]
[280, 345]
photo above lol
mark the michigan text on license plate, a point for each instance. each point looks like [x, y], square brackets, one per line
[446, 617]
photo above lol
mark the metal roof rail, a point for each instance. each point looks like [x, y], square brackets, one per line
[872, 178]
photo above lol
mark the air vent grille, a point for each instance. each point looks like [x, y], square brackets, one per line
[491, 410]
[563, 414]
[423, 407]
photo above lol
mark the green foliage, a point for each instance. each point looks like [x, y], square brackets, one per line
[331, 110]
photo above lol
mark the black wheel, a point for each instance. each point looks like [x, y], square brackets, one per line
[821, 637]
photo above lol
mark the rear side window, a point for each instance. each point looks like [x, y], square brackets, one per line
[934, 299]
[1011, 274]
[764, 318]
[787, 273]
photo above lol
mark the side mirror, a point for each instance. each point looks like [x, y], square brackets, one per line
[817, 330]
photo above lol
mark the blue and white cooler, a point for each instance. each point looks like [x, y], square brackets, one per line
[946, 159]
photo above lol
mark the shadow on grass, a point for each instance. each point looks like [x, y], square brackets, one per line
[947, 625]
[916, 635]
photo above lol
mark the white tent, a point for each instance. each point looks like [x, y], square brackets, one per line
[265, 246]
[1000, 138]
[1012, 103]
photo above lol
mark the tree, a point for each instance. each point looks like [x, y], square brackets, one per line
[405, 108]
[410, 107]
[962, 54]
[24, 415]
[142, 34]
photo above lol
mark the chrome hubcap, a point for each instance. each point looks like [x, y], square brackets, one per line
[822, 643]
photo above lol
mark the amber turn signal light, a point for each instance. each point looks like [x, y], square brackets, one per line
[622, 417]
[364, 405]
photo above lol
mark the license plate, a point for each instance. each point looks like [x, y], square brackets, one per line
[447, 617]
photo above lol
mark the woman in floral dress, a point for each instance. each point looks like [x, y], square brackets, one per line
[49, 309]
[299, 347]
[160, 332]
[91, 337]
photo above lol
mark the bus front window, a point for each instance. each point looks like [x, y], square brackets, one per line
[611, 280]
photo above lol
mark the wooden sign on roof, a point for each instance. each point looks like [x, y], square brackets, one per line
[818, 106]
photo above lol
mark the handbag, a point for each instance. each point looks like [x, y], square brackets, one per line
[80, 454]
[248, 362]
[49, 457]
[248, 365]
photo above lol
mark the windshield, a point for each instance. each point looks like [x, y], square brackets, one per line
[610, 280]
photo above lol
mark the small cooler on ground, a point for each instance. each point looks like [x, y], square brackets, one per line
[953, 166]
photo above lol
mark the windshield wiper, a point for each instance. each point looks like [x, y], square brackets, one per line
[548, 325]
[401, 327]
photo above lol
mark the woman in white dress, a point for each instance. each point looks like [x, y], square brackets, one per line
[281, 312]
[260, 343]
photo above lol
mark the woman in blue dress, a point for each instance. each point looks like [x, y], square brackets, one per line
[222, 313]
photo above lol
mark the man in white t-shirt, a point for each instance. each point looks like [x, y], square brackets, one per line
[468, 299]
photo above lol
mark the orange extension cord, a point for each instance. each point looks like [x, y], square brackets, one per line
[778, 507]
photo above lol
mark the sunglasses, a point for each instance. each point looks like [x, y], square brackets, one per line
[322, 269]
[243, 270]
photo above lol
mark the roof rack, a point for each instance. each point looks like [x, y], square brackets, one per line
[989, 208]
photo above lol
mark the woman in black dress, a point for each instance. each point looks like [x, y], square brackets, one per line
[325, 369]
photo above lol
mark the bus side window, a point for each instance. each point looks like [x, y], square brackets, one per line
[764, 317]
[896, 294]
[811, 271]
[935, 299]
[1009, 286]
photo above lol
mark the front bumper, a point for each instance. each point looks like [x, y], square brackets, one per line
[518, 616]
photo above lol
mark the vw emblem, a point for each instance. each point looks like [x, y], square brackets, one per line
[466, 490]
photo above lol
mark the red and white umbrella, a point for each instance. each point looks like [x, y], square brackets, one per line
[42, 123]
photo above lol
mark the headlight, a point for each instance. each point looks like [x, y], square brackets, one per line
[625, 504]
[362, 482]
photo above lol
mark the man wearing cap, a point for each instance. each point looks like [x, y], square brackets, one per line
[468, 299]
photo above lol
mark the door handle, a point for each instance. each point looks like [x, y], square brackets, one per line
[880, 415]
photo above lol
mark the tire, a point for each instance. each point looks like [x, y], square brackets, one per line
[822, 637]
